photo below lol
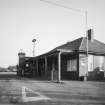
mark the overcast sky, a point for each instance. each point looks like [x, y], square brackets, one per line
[51, 25]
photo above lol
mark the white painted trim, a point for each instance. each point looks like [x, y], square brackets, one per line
[28, 99]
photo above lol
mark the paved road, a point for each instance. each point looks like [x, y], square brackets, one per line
[67, 93]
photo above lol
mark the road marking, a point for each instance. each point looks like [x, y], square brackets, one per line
[36, 95]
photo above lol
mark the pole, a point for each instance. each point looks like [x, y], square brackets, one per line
[45, 65]
[86, 33]
[37, 66]
[59, 67]
[33, 49]
[34, 40]
[86, 13]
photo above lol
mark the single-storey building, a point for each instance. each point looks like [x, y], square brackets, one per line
[69, 61]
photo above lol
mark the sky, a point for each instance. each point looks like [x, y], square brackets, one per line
[51, 25]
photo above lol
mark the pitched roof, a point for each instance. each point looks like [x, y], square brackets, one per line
[80, 44]
[94, 46]
[71, 46]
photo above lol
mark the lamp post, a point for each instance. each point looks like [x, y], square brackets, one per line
[34, 40]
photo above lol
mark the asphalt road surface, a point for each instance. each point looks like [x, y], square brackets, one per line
[65, 93]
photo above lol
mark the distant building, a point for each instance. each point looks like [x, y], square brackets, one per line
[69, 61]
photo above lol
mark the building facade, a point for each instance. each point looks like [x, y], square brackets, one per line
[68, 62]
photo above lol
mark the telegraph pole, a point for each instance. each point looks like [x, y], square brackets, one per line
[86, 21]
[86, 29]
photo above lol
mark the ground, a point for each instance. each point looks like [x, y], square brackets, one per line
[65, 93]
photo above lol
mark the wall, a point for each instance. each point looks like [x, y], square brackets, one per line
[69, 67]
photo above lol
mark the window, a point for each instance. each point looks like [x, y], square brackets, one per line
[99, 62]
[72, 65]
[90, 63]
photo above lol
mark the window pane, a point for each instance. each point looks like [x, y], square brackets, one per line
[72, 65]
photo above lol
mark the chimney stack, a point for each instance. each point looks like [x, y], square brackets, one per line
[90, 35]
